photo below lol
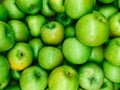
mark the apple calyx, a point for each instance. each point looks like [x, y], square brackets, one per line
[51, 25]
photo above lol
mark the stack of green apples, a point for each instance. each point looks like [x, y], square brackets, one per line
[59, 45]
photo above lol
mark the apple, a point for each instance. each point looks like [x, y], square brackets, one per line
[117, 86]
[50, 57]
[107, 85]
[3, 13]
[46, 9]
[92, 29]
[91, 76]
[106, 1]
[69, 31]
[114, 25]
[97, 55]
[57, 5]
[35, 23]
[52, 33]
[13, 11]
[7, 37]
[33, 78]
[29, 6]
[20, 56]
[20, 29]
[13, 87]
[78, 8]
[111, 71]
[63, 78]
[37, 44]
[112, 51]
[15, 74]
[108, 10]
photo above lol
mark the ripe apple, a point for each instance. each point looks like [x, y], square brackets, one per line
[91, 76]
[52, 33]
[29, 6]
[46, 10]
[75, 52]
[13, 11]
[33, 78]
[57, 5]
[7, 37]
[50, 57]
[108, 10]
[63, 78]
[3, 13]
[20, 56]
[77, 8]
[112, 51]
[20, 29]
[111, 71]
[35, 23]
[92, 29]
[114, 25]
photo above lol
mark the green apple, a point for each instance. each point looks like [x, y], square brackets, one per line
[35, 23]
[75, 52]
[107, 85]
[108, 10]
[20, 29]
[46, 10]
[114, 25]
[57, 5]
[13, 11]
[97, 55]
[4, 72]
[117, 86]
[36, 44]
[15, 74]
[69, 31]
[112, 51]
[52, 33]
[91, 76]
[3, 13]
[7, 37]
[29, 6]
[63, 78]
[106, 1]
[111, 71]
[13, 87]
[50, 57]
[77, 8]
[33, 78]
[20, 56]
[92, 29]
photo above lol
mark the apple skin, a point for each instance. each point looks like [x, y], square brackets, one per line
[35, 23]
[7, 37]
[33, 78]
[13, 11]
[29, 6]
[69, 31]
[46, 10]
[13, 87]
[15, 74]
[92, 29]
[3, 13]
[111, 72]
[20, 29]
[91, 76]
[78, 8]
[20, 56]
[117, 86]
[63, 78]
[57, 5]
[106, 1]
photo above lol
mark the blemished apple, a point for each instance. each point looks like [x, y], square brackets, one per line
[92, 29]
[63, 78]
[35, 23]
[7, 37]
[57, 5]
[29, 6]
[111, 71]
[20, 56]
[91, 76]
[20, 29]
[13, 11]
[78, 8]
[33, 78]
[46, 10]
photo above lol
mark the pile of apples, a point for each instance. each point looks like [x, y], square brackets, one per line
[59, 45]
